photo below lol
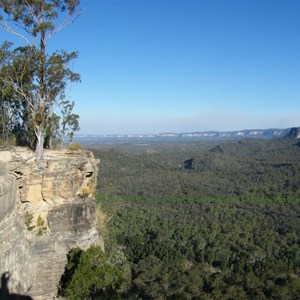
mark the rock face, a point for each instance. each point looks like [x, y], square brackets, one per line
[47, 208]
[294, 133]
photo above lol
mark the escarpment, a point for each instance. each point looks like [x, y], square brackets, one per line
[47, 208]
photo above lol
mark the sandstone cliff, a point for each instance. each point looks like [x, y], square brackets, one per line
[46, 209]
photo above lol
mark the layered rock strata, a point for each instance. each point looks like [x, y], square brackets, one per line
[47, 208]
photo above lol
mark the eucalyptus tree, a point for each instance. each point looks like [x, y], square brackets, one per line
[38, 78]
[9, 103]
[5, 115]
[69, 122]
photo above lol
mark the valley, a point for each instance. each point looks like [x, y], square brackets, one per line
[203, 220]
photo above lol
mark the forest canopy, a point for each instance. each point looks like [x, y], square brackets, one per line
[225, 227]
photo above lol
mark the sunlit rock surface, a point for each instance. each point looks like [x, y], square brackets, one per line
[47, 208]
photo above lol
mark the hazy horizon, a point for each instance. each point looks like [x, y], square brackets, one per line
[183, 132]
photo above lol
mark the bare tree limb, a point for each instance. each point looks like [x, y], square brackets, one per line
[9, 29]
[67, 21]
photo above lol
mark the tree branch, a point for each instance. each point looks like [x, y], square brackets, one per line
[67, 21]
[9, 29]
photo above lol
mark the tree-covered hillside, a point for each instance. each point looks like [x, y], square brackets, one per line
[202, 220]
[196, 221]
[246, 167]
[208, 248]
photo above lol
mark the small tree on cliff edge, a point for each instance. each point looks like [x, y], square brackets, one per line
[37, 78]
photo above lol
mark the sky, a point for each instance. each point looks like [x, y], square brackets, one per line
[153, 66]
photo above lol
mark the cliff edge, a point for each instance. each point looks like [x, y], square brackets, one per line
[47, 208]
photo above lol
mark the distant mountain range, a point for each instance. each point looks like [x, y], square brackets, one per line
[204, 135]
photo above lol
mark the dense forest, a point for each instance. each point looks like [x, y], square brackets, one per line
[202, 220]
[206, 248]
[247, 167]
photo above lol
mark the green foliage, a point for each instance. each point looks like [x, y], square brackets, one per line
[40, 225]
[28, 218]
[90, 275]
[246, 168]
[25, 17]
[75, 147]
[39, 228]
[228, 228]
[40, 222]
[7, 140]
[224, 248]
[70, 121]
[34, 80]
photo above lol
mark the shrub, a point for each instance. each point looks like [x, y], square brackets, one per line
[41, 227]
[28, 221]
[8, 142]
[89, 274]
[75, 147]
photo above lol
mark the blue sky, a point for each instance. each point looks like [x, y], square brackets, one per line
[177, 66]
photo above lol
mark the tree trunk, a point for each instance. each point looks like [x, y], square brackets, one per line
[39, 148]
[50, 142]
[42, 66]
[40, 128]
